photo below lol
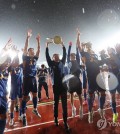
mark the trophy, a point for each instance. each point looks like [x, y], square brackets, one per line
[55, 40]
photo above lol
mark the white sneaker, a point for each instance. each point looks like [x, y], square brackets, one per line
[23, 119]
[102, 113]
[11, 123]
[73, 111]
[36, 112]
[90, 117]
[81, 112]
[20, 118]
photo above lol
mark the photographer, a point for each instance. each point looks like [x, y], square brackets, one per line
[42, 74]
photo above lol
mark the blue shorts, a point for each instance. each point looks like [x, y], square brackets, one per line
[16, 91]
[74, 85]
[29, 85]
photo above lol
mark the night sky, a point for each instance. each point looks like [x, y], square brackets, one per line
[98, 21]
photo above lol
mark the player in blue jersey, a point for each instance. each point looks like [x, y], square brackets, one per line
[29, 75]
[3, 91]
[16, 87]
[92, 65]
[3, 98]
[113, 62]
[5, 75]
[74, 69]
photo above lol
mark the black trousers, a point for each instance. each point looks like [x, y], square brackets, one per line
[44, 84]
[57, 95]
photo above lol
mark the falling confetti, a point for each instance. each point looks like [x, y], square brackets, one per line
[13, 6]
[83, 10]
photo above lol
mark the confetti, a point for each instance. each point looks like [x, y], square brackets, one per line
[83, 10]
[13, 6]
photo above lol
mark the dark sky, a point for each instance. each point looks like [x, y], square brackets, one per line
[98, 20]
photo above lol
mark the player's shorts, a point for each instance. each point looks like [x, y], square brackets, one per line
[74, 85]
[93, 86]
[29, 85]
[16, 91]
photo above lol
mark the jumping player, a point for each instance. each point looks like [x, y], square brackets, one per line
[29, 75]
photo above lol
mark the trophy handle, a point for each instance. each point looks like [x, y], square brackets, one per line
[56, 40]
[50, 40]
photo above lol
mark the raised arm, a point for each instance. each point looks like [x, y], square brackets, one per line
[7, 47]
[38, 47]
[29, 34]
[81, 53]
[78, 43]
[49, 61]
[69, 50]
[5, 60]
[64, 53]
[77, 56]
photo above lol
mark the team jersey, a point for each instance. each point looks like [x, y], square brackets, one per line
[29, 66]
[91, 66]
[16, 75]
[5, 76]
